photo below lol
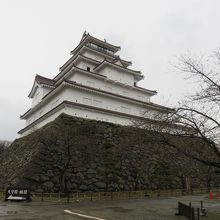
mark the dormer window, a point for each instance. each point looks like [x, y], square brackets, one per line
[88, 68]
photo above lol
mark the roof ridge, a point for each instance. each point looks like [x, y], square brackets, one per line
[138, 87]
[44, 80]
[139, 72]
[83, 39]
[37, 75]
[103, 41]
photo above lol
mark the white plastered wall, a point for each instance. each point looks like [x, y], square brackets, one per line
[117, 75]
[85, 64]
[82, 113]
[44, 122]
[108, 86]
[37, 96]
[92, 99]
[40, 92]
[94, 56]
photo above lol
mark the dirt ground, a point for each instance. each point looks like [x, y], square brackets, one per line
[142, 209]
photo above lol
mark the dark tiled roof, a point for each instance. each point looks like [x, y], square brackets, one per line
[125, 63]
[43, 80]
[60, 74]
[105, 42]
[80, 69]
[21, 116]
[93, 73]
[149, 104]
[116, 48]
[124, 68]
[147, 90]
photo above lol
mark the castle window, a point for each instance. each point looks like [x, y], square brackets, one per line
[88, 68]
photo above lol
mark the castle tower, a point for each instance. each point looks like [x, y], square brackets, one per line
[95, 83]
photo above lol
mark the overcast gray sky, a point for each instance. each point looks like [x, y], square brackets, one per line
[37, 36]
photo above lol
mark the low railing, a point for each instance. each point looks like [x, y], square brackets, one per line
[102, 50]
[123, 195]
[186, 210]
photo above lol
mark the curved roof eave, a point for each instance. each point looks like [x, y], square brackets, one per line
[105, 62]
[125, 63]
[40, 80]
[67, 63]
[88, 37]
[120, 114]
[71, 83]
[33, 89]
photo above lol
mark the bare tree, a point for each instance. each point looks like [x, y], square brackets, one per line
[197, 117]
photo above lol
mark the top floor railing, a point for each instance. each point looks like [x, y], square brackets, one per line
[102, 50]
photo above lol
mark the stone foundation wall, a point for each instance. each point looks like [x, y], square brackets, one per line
[73, 154]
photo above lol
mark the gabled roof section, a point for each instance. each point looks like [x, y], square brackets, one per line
[65, 82]
[105, 62]
[84, 58]
[40, 80]
[109, 56]
[73, 61]
[81, 50]
[154, 92]
[87, 38]
[84, 35]
[123, 62]
[43, 80]
[75, 84]
[88, 72]
[118, 62]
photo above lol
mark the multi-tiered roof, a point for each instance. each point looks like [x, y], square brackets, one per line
[103, 59]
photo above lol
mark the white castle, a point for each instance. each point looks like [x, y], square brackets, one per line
[95, 83]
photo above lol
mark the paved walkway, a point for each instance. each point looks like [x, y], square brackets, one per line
[146, 209]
